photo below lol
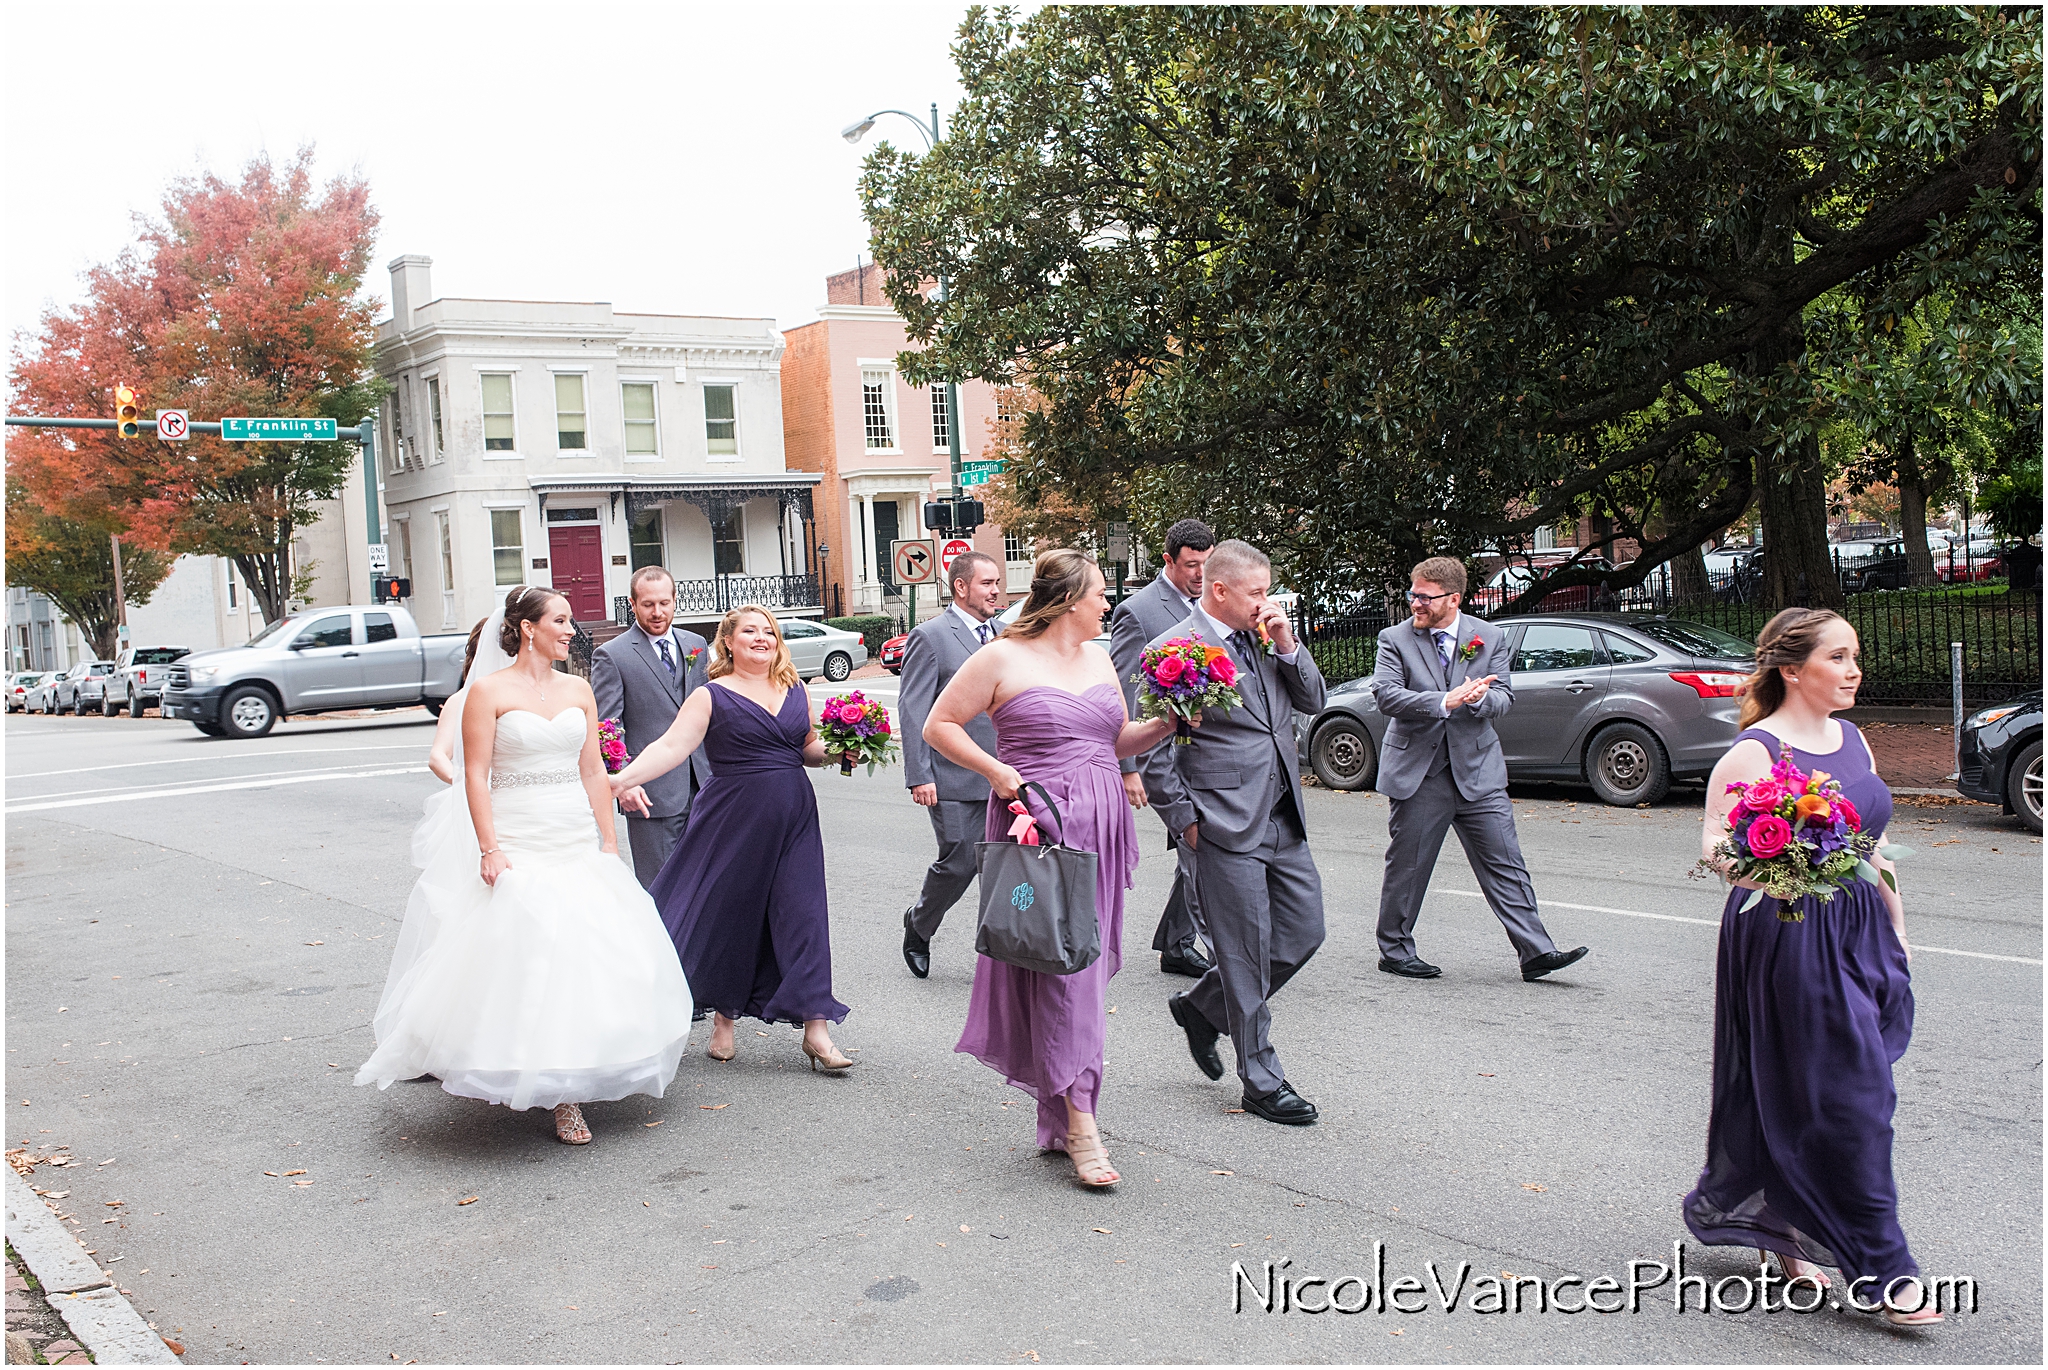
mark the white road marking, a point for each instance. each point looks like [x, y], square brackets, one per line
[1715, 923]
[286, 779]
[247, 775]
[217, 756]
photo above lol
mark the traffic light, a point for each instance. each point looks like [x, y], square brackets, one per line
[390, 587]
[127, 415]
[954, 515]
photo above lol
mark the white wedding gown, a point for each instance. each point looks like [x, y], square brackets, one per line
[557, 985]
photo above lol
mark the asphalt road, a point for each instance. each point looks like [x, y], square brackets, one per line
[197, 932]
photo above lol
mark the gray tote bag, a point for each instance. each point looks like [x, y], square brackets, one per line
[1038, 903]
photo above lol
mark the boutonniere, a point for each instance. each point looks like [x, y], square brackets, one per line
[695, 652]
[1470, 651]
[1265, 637]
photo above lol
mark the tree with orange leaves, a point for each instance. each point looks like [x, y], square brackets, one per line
[242, 299]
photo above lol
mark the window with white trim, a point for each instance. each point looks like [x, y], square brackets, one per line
[637, 400]
[941, 428]
[721, 422]
[1015, 549]
[508, 546]
[398, 425]
[499, 434]
[405, 548]
[434, 414]
[571, 418]
[878, 407]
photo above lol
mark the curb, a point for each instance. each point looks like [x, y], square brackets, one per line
[84, 1295]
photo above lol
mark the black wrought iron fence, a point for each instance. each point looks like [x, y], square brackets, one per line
[720, 593]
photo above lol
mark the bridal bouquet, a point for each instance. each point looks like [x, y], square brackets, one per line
[1796, 835]
[856, 728]
[1181, 677]
[611, 745]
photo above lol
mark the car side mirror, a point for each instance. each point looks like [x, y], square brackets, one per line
[297, 646]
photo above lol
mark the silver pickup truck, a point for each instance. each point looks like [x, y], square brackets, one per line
[365, 656]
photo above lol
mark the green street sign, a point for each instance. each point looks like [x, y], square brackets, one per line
[277, 430]
[968, 477]
[991, 467]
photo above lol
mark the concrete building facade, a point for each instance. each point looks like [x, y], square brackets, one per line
[568, 444]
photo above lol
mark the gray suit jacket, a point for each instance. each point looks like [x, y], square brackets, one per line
[1408, 686]
[938, 648]
[631, 686]
[1156, 609]
[1230, 777]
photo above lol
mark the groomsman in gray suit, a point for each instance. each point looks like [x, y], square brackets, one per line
[1145, 615]
[640, 678]
[1234, 797]
[956, 797]
[1441, 679]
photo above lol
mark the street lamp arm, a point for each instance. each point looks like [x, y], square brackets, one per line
[853, 133]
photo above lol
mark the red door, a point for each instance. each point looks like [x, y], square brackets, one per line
[576, 557]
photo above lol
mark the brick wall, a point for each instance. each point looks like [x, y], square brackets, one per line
[807, 441]
[862, 285]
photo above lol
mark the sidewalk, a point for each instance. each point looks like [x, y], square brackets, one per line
[1913, 756]
[61, 1305]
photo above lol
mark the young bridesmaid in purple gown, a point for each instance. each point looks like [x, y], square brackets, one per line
[1060, 722]
[1809, 1016]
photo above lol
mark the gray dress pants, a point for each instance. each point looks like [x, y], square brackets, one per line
[1486, 829]
[1265, 916]
[652, 839]
[1181, 921]
[958, 824]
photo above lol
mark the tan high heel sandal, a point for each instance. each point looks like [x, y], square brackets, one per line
[569, 1125]
[820, 1061]
[714, 1053]
[1091, 1160]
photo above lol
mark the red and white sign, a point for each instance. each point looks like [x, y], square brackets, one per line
[173, 425]
[954, 549]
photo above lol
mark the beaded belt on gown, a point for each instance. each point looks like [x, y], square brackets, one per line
[504, 780]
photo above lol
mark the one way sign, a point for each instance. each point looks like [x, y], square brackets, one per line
[916, 561]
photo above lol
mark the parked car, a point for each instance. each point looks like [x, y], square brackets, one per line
[2000, 752]
[315, 661]
[891, 654]
[18, 688]
[41, 697]
[1622, 702]
[817, 650]
[1512, 579]
[138, 679]
[81, 687]
[1961, 563]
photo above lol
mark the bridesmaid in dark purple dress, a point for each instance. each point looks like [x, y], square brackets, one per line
[1809, 1016]
[743, 893]
[1060, 722]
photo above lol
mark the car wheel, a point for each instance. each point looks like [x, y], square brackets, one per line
[1626, 766]
[1342, 755]
[248, 712]
[134, 706]
[2023, 785]
[434, 706]
[838, 667]
[211, 729]
[895, 670]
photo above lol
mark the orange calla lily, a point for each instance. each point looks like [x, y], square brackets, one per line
[1210, 654]
[1811, 806]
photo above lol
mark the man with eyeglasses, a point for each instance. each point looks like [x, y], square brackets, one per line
[1441, 679]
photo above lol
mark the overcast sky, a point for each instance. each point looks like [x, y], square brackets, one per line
[671, 158]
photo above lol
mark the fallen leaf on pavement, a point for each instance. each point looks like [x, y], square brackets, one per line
[1233, 1110]
[1486, 1074]
[656, 1123]
[470, 1200]
[1223, 1172]
[572, 1308]
[301, 1184]
[316, 944]
[58, 1194]
[289, 1173]
[965, 1228]
[713, 1267]
[1104, 1231]
[336, 1065]
[178, 1347]
[1234, 1245]
[711, 1107]
[1398, 1332]
[271, 1173]
[108, 1161]
[1532, 1186]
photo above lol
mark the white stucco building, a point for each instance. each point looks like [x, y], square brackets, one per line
[568, 444]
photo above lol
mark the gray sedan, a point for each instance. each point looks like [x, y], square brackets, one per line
[817, 650]
[1623, 702]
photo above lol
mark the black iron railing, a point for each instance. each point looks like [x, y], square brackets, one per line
[720, 593]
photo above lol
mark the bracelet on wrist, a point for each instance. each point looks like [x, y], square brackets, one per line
[487, 853]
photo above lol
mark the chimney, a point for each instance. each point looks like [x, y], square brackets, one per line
[411, 287]
[862, 285]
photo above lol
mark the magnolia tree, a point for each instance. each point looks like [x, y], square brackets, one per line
[243, 298]
[1371, 284]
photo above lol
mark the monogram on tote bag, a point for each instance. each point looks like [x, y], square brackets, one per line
[1038, 902]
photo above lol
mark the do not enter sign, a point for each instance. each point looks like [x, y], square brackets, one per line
[954, 549]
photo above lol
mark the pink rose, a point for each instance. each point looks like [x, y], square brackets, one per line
[832, 713]
[1768, 836]
[1762, 796]
[1169, 671]
[882, 726]
[1847, 812]
[1223, 671]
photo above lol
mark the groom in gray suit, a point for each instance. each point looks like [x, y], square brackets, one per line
[956, 797]
[1233, 795]
[640, 678]
[1441, 679]
[1162, 605]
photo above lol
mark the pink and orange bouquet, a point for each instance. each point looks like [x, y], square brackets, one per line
[611, 745]
[856, 728]
[1181, 677]
[1796, 835]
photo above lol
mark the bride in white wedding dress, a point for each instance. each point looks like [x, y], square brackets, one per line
[538, 973]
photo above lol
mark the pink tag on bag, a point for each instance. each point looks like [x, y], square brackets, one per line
[1025, 829]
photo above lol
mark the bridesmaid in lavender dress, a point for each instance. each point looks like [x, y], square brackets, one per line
[1060, 722]
[1809, 1016]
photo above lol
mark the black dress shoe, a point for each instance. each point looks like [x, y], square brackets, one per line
[1283, 1105]
[1536, 967]
[1187, 960]
[1415, 968]
[917, 951]
[1201, 1033]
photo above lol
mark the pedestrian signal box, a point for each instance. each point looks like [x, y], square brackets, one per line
[391, 587]
[127, 413]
